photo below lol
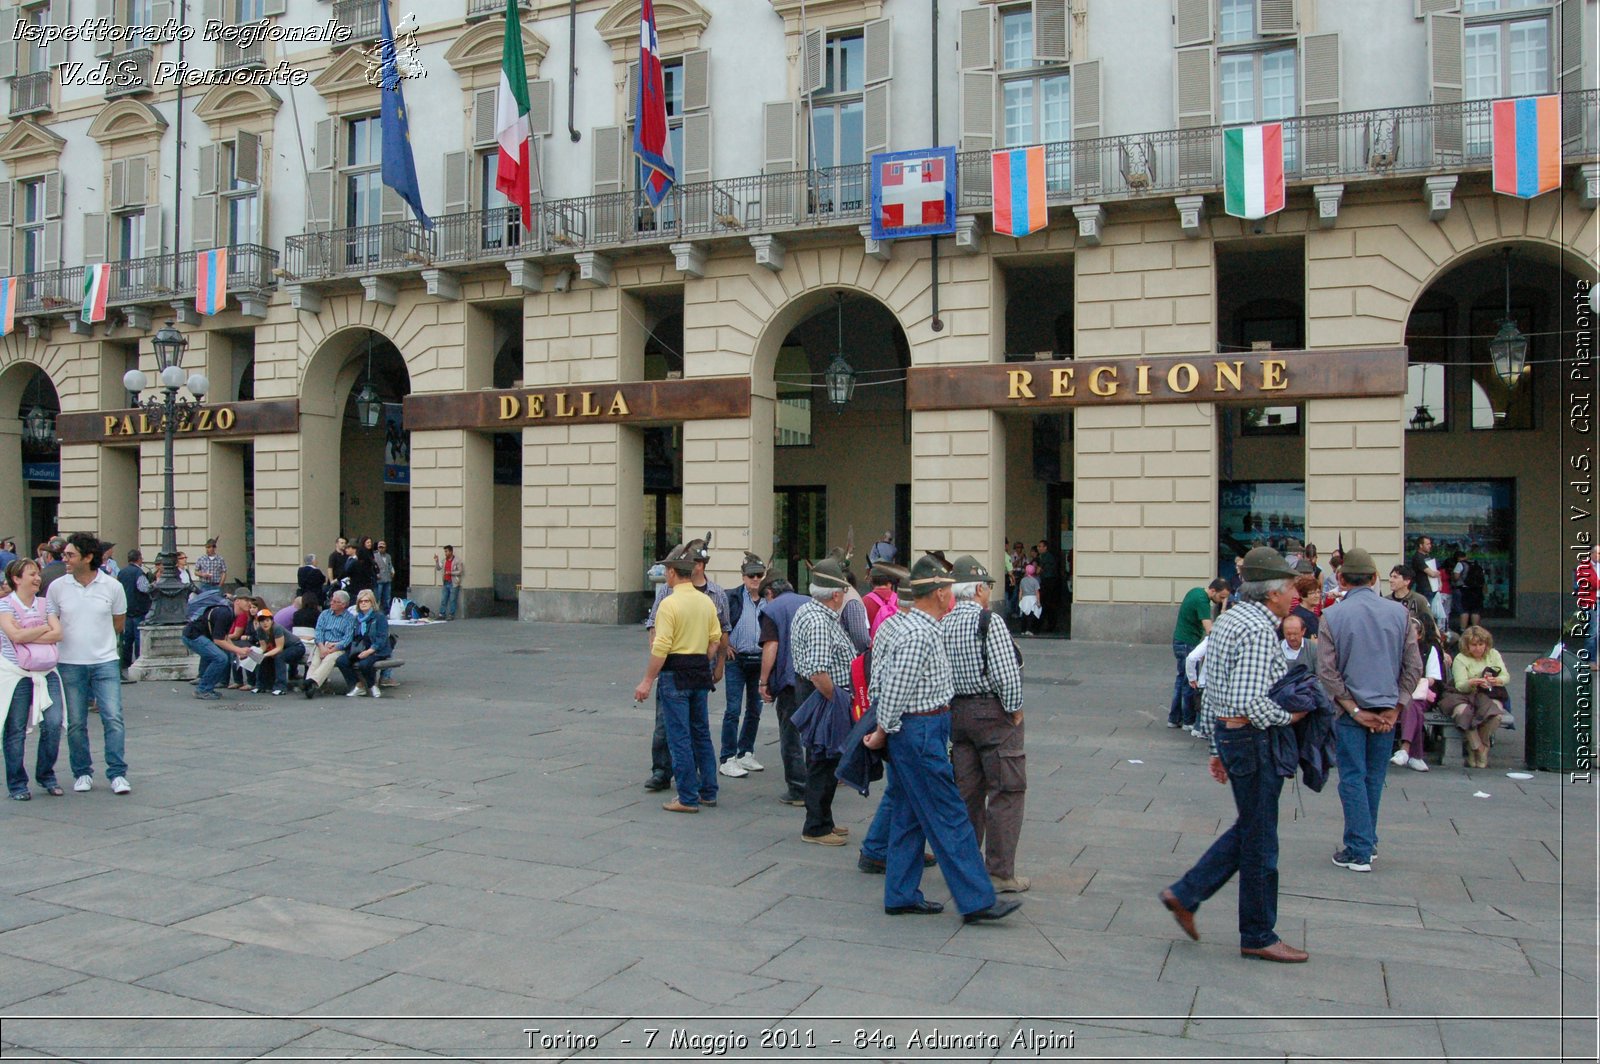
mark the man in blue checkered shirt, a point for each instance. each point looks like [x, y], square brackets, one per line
[210, 569]
[1243, 660]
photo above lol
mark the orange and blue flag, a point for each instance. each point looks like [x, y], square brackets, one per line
[211, 280]
[8, 305]
[1526, 134]
[1019, 206]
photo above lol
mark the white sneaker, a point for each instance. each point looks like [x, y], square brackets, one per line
[355, 692]
[83, 783]
[1197, 733]
[1400, 758]
[120, 786]
[749, 763]
[375, 692]
[731, 767]
[1418, 764]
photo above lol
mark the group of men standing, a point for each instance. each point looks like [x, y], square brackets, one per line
[939, 674]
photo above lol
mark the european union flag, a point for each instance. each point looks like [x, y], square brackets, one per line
[399, 167]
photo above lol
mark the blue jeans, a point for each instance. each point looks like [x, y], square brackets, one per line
[1181, 711]
[385, 592]
[102, 682]
[214, 662]
[449, 599]
[742, 683]
[928, 810]
[694, 762]
[16, 727]
[875, 844]
[1250, 846]
[1363, 765]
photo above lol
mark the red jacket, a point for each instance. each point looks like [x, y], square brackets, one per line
[1586, 582]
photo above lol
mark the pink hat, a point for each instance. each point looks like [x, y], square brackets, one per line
[1030, 569]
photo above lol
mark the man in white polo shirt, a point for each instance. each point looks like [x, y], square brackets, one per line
[93, 607]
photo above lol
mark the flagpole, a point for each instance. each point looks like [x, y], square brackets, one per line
[933, 241]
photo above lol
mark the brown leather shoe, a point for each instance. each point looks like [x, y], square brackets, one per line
[1279, 951]
[1184, 917]
[676, 806]
[823, 840]
[841, 832]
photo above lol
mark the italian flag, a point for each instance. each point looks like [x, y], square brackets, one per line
[96, 286]
[1252, 170]
[512, 128]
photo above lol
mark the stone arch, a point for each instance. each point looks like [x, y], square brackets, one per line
[15, 378]
[480, 48]
[232, 103]
[343, 326]
[1555, 252]
[679, 24]
[127, 120]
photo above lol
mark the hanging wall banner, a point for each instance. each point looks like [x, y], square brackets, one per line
[913, 193]
[396, 446]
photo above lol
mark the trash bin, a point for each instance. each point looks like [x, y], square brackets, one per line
[1557, 732]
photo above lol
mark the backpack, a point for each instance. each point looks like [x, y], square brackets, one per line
[199, 626]
[1473, 577]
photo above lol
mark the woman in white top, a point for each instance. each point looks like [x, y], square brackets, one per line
[27, 619]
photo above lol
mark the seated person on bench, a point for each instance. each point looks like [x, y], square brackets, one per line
[368, 647]
[1473, 695]
[281, 651]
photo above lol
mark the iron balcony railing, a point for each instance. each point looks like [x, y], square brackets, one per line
[152, 279]
[1352, 146]
[30, 94]
[231, 55]
[361, 16]
[130, 72]
[486, 8]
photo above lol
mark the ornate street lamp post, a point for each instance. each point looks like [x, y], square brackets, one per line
[174, 412]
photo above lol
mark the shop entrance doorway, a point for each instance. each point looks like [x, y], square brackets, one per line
[800, 521]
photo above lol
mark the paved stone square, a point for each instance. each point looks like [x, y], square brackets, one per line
[434, 873]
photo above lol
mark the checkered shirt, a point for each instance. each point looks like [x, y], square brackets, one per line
[910, 668]
[818, 644]
[210, 568]
[960, 631]
[1243, 659]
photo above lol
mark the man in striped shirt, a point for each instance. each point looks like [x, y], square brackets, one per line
[822, 655]
[911, 689]
[210, 568]
[1243, 660]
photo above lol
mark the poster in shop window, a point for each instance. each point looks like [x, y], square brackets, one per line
[396, 447]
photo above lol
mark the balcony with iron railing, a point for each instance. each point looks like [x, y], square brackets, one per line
[489, 8]
[30, 94]
[359, 16]
[131, 72]
[151, 280]
[1352, 147]
[231, 55]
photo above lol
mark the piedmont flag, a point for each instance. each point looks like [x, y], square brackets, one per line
[651, 142]
[1252, 170]
[512, 129]
[913, 193]
[1527, 145]
[8, 305]
[96, 286]
[1019, 207]
[399, 166]
[211, 280]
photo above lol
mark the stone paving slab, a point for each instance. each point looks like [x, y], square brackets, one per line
[479, 844]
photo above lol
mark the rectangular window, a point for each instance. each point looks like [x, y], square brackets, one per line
[1237, 21]
[844, 67]
[1016, 38]
[1260, 86]
[501, 227]
[244, 220]
[130, 235]
[792, 417]
[31, 224]
[1035, 97]
[1477, 517]
[1506, 56]
[363, 188]
[838, 128]
[672, 91]
[32, 58]
[247, 11]
[1258, 513]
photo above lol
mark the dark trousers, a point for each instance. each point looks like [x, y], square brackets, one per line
[992, 776]
[1250, 846]
[1050, 599]
[273, 672]
[795, 771]
[660, 752]
[820, 785]
[130, 639]
[1183, 710]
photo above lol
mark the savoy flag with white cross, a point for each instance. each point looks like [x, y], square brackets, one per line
[913, 193]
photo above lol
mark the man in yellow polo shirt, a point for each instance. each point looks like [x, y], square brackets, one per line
[687, 633]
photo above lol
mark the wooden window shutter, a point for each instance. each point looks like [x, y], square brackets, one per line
[875, 118]
[117, 192]
[457, 182]
[319, 199]
[326, 148]
[247, 158]
[203, 222]
[94, 237]
[484, 102]
[391, 208]
[107, 11]
[1088, 178]
[274, 7]
[5, 202]
[1051, 40]
[8, 43]
[696, 164]
[779, 148]
[1423, 8]
[1445, 83]
[138, 181]
[1191, 20]
[154, 236]
[209, 156]
[52, 194]
[1574, 117]
[1193, 73]
[56, 53]
[813, 48]
[160, 11]
[696, 80]
[7, 237]
[1276, 18]
[976, 38]
[541, 107]
[877, 46]
[978, 91]
[1319, 78]
[607, 155]
[630, 103]
[50, 257]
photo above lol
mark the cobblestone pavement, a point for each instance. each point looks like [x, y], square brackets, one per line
[434, 873]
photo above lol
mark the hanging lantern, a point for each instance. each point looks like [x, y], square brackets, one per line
[39, 428]
[1509, 348]
[840, 380]
[369, 407]
[1423, 419]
